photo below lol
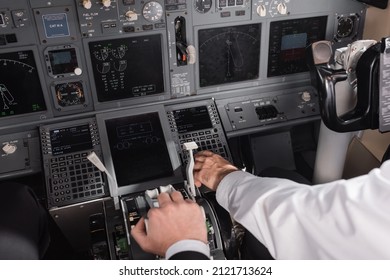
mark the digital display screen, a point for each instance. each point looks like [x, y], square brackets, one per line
[20, 87]
[127, 67]
[70, 140]
[229, 54]
[63, 61]
[288, 41]
[191, 119]
[293, 47]
[138, 149]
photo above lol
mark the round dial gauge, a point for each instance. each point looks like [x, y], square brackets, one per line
[345, 27]
[152, 11]
[203, 6]
[69, 94]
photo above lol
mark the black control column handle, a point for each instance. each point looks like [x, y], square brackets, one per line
[325, 80]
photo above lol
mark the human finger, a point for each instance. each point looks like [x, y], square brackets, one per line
[206, 153]
[163, 199]
[139, 232]
[197, 182]
[202, 155]
[176, 196]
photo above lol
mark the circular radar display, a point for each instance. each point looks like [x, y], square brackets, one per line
[153, 11]
[69, 94]
[229, 54]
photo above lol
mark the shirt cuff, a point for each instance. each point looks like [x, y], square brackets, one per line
[188, 245]
[385, 169]
[224, 187]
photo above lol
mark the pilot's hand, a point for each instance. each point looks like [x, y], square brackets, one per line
[210, 169]
[176, 219]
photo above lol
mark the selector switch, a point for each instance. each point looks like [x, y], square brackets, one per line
[306, 96]
[282, 8]
[131, 16]
[106, 3]
[261, 10]
[9, 149]
[87, 4]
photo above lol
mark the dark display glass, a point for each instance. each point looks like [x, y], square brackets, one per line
[63, 61]
[127, 67]
[376, 3]
[20, 87]
[229, 54]
[191, 119]
[70, 139]
[138, 149]
[288, 40]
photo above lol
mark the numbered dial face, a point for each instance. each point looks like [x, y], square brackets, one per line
[69, 94]
[345, 27]
[203, 6]
[153, 11]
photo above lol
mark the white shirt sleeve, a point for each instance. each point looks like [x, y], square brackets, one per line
[188, 245]
[345, 219]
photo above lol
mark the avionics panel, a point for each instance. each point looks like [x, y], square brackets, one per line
[56, 24]
[128, 68]
[230, 45]
[139, 152]
[20, 85]
[229, 54]
[104, 18]
[63, 61]
[138, 149]
[197, 122]
[288, 40]
[70, 176]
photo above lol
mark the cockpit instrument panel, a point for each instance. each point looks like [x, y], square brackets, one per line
[288, 40]
[132, 81]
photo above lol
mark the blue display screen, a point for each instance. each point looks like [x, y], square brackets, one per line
[56, 25]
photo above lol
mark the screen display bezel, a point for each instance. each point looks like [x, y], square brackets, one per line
[165, 95]
[56, 67]
[176, 176]
[216, 32]
[30, 116]
[277, 65]
[51, 66]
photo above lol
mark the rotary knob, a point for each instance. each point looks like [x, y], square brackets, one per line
[306, 96]
[106, 3]
[9, 149]
[261, 10]
[282, 8]
[87, 4]
[131, 16]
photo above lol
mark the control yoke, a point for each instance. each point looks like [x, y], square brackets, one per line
[356, 64]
